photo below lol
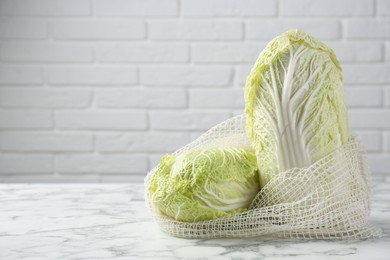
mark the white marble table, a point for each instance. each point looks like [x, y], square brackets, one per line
[110, 221]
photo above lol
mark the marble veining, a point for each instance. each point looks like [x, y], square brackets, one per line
[110, 221]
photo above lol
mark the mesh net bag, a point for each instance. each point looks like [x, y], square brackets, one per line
[330, 199]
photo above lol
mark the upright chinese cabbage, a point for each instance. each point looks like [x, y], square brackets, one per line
[204, 184]
[296, 113]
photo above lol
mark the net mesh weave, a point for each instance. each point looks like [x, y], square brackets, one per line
[330, 199]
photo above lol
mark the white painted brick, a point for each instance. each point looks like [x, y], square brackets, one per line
[124, 64]
[186, 120]
[367, 29]
[88, 75]
[378, 178]
[41, 178]
[237, 112]
[326, 8]
[25, 29]
[386, 145]
[387, 97]
[195, 135]
[98, 30]
[56, 52]
[101, 164]
[369, 118]
[44, 97]
[383, 7]
[45, 7]
[216, 98]
[141, 142]
[154, 159]
[144, 98]
[357, 51]
[26, 163]
[25, 119]
[212, 8]
[222, 52]
[363, 96]
[45, 142]
[20, 75]
[145, 52]
[134, 8]
[379, 163]
[240, 75]
[195, 30]
[387, 50]
[372, 140]
[366, 73]
[134, 178]
[100, 120]
[186, 76]
[270, 28]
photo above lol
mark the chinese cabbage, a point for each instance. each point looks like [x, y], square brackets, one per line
[296, 113]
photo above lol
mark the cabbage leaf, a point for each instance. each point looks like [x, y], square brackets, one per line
[296, 113]
[204, 184]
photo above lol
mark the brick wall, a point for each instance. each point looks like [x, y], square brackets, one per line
[98, 90]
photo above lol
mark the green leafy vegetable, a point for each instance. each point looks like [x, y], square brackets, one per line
[296, 113]
[204, 184]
